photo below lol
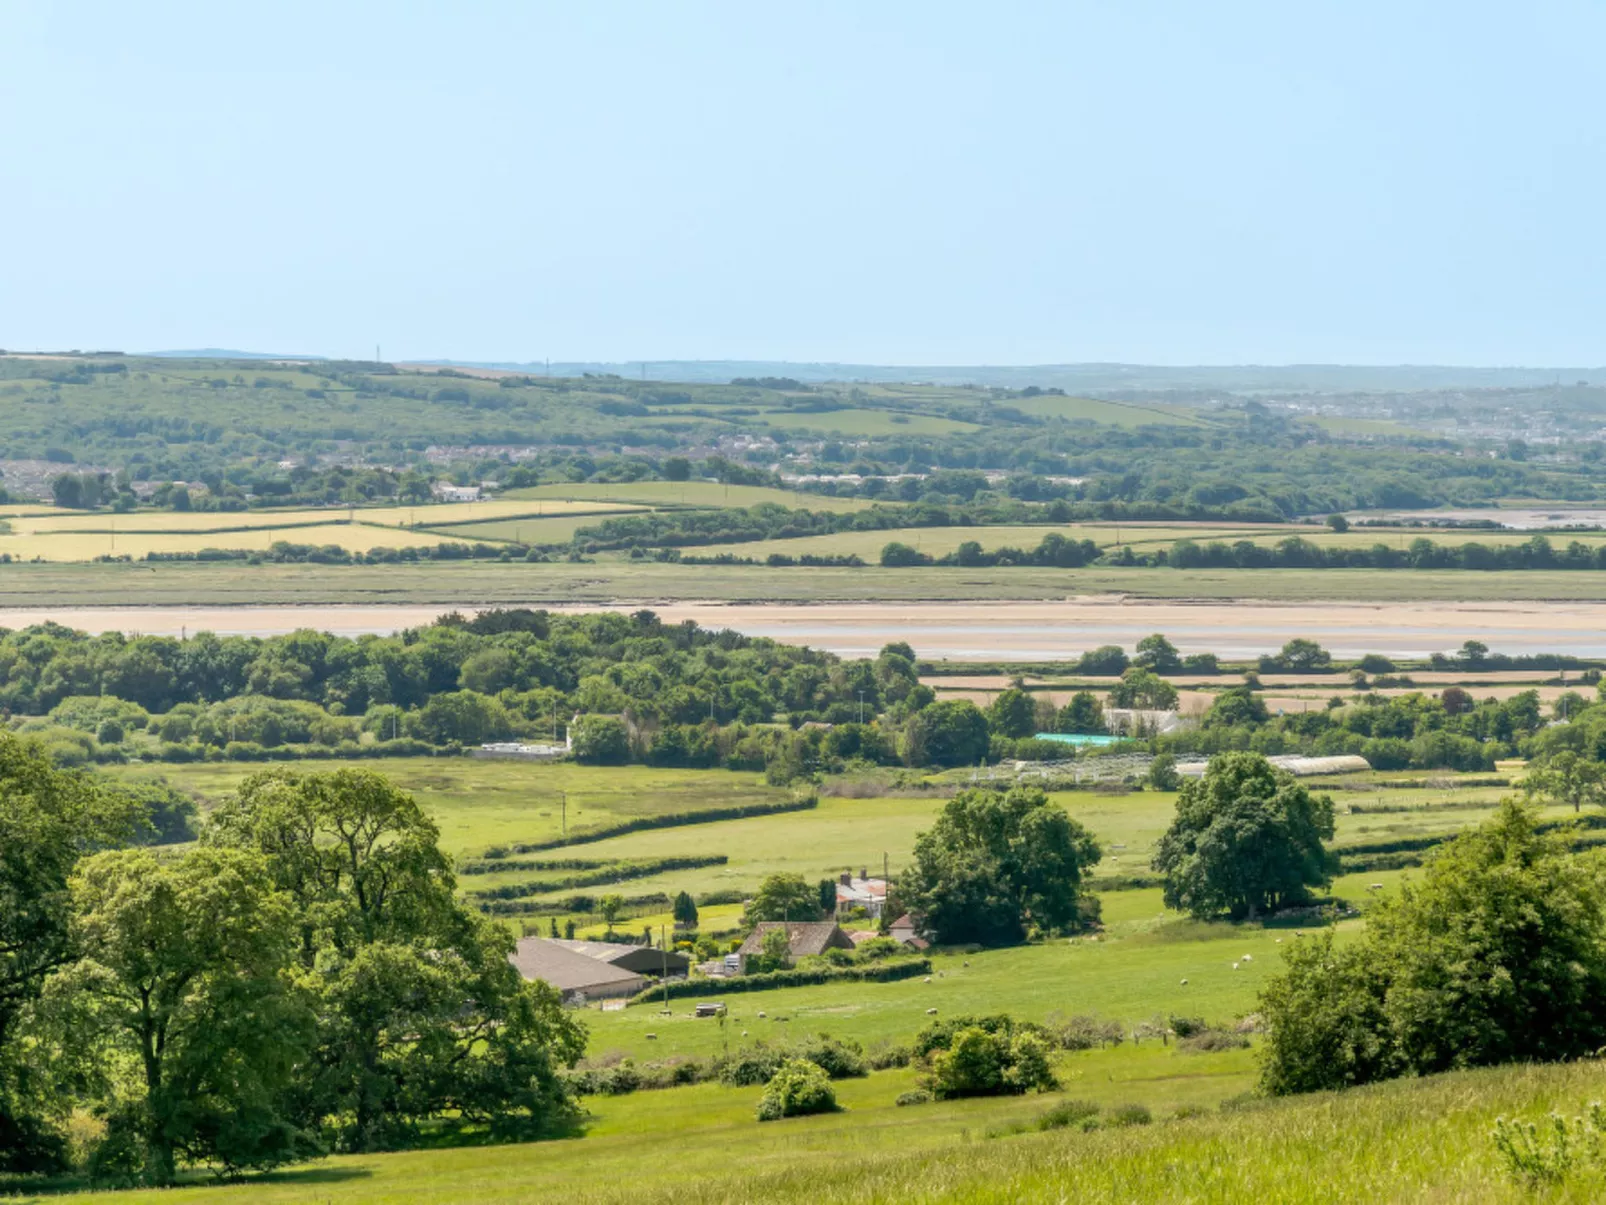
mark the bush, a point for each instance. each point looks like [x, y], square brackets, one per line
[1506, 899]
[750, 1066]
[1069, 1113]
[757, 1064]
[884, 1056]
[917, 1097]
[1214, 1041]
[797, 1089]
[1187, 1027]
[1130, 1115]
[979, 1063]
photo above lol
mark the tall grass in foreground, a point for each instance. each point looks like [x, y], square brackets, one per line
[1426, 1140]
[1429, 1140]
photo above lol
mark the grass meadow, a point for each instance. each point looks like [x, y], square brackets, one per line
[479, 803]
[864, 422]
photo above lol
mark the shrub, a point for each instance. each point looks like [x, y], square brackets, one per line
[917, 1097]
[750, 1066]
[979, 1063]
[1214, 1041]
[884, 1056]
[1081, 1113]
[839, 1060]
[1130, 1115]
[1187, 1027]
[798, 1088]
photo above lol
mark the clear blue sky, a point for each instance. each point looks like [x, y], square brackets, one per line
[873, 182]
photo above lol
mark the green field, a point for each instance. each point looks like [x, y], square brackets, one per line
[479, 803]
[864, 422]
[1115, 414]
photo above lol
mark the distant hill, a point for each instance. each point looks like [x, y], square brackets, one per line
[226, 353]
[1077, 378]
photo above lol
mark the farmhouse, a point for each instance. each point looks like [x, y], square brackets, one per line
[903, 932]
[577, 977]
[803, 938]
[861, 892]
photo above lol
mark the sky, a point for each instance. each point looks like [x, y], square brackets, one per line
[887, 183]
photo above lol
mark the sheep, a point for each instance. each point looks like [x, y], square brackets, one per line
[761, 1012]
[1184, 983]
[652, 1037]
[927, 979]
[1247, 958]
[931, 1012]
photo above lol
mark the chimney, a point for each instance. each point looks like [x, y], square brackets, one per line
[864, 872]
[846, 878]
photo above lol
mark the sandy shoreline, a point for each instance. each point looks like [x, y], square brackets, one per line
[976, 631]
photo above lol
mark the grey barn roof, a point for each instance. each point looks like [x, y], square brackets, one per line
[641, 959]
[568, 971]
[804, 937]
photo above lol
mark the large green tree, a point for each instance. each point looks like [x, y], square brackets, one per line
[1012, 714]
[420, 1014]
[1246, 840]
[950, 733]
[783, 896]
[48, 819]
[1497, 955]
[1082, 714]
[179, 1006]
[1141, 689]
[1567, 777]
[996, 865]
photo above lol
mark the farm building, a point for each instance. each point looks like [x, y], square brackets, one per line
[640, 960]
[577, 977]
[903, 931]
[804, 938]
[861, 892]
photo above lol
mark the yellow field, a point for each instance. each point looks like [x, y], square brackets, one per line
[87, 545]
[687, 493]
[431, 515]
